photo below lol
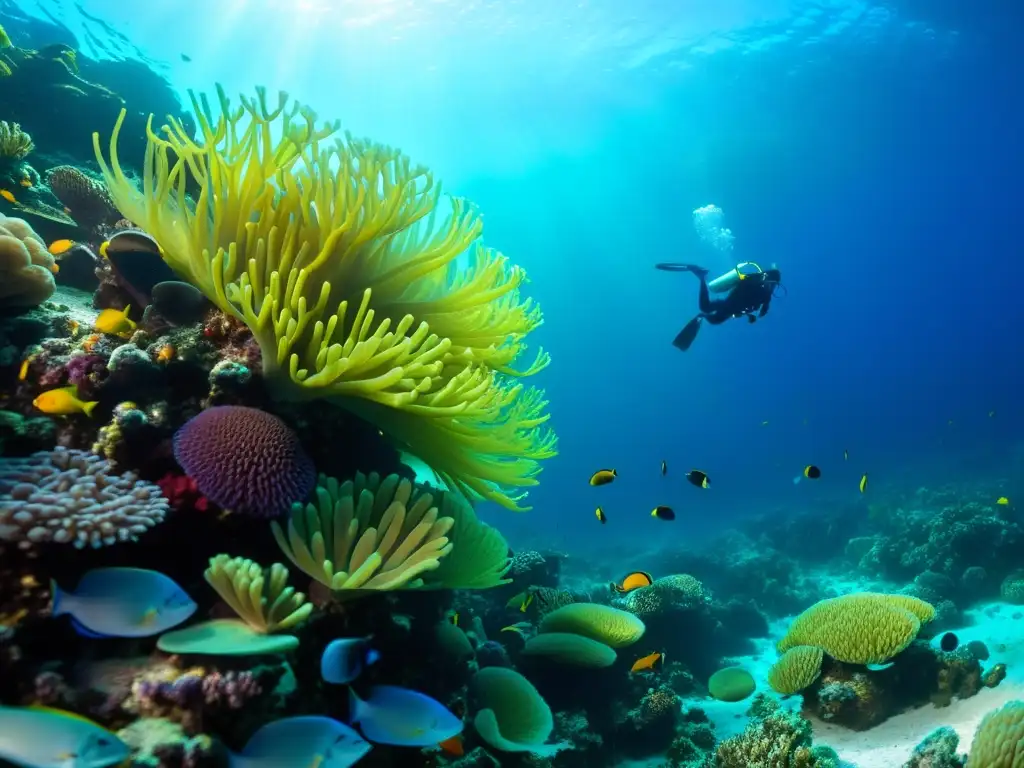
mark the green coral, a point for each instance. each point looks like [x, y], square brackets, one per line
[862, 628]
[602, 623]
[373, 533]
[797, 669]
[999, 740]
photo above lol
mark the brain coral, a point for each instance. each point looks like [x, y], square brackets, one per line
[575, 650]
[245, 460]
[598, 622]
[862, 628]
[26, 268]
[797, 669]
[999, 740]
[73, 497]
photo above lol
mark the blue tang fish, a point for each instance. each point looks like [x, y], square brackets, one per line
[302, 742]
[344, 660]
[123, 602]
[402, 718]
[50, 738]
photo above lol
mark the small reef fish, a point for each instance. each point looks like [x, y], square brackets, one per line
[518, 599]
[454, 619]
[764, 423]
[811, 472]
[165, 354]
[26, 183]
[603, 476]
[698, 478]
[402, 718]
[1003, 501]
[649, 662]
[632, 581]
[38, 737]
[186, 58]
[991, 414]
[63, 402]
[115, 322]
[949, 642]
[846, 455]
[8, 196]
[526, 603]
[123, 602]
[304, 742]
[664, 513]
[664, 468]
[602, 518]
[345, 659]
[453, 746]
[60, 247]
[863, 485]
[23, 370]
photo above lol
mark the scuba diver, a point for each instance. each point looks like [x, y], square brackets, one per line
[750, 290]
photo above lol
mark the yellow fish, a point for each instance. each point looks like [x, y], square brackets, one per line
[23, 371]
[6, 195]
[603, 476]
[454, 618]
[115, 321]
[634, 580]
[602, 518]
[526, 604]
[26, 183]
[166, 353]
[59, 247]
[63, 402]
[648, 662]
[1003, 501]
[864, 482]
[103, 246]
[519, 627]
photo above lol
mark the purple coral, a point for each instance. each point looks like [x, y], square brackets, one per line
[245, 460]
[74, 497]
[86, 372]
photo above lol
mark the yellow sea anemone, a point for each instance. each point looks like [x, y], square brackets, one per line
[357, 284]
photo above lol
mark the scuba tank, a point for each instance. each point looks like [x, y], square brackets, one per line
[728, 281]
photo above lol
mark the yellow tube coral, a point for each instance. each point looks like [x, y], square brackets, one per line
[357, 286]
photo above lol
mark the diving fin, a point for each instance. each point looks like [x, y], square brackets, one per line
[686, 336]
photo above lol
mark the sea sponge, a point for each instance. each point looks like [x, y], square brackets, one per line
[731, 684]
[566, 648]
[603, 623]
[26, 267]
[245, 460]
[798, 668]
[69, 496]
[86, 197]
[999, 740]
[355, 283]
[861, 628]
[513, 716]
[379, 534]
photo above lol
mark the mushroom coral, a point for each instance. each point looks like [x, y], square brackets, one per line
[355, 282]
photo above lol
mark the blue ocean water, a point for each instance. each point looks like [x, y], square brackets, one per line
[871, 149]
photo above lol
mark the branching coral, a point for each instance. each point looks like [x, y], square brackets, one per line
[370, 533]
[355, 284]
[15, 144]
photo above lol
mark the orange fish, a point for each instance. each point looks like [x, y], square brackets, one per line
[166, 354]
[453, 746]
[648, 662]
[59, 247]
[26, 183]
[6, 195]
[634, 580]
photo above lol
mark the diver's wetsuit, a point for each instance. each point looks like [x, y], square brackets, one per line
[750, 297]
[751, 294]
